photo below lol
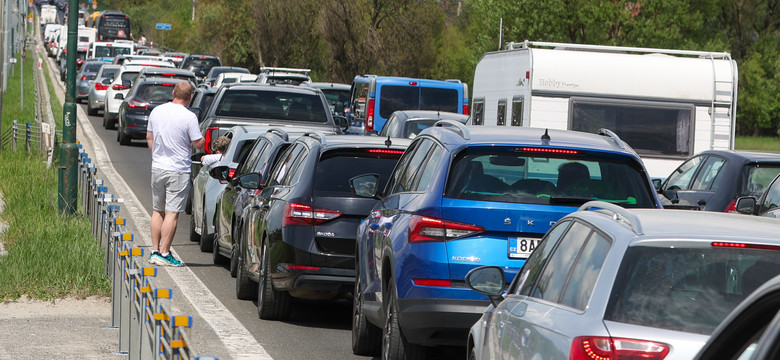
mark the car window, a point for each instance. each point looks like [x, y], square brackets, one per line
[393, 98]
[128, 77]
[414, 127]
[297, 168]
[535, 263]
[758, 177]
[689, 289]
[257, 152]
[303, 107]
[681, 178]
[522, 175]
[428, 170]
[556, 272]
[586, 271]
[390, 127]
[336, 167]
[708, 177]
[282, 168]
[772, 199]
[439, 99]
[405, 182]
[157, 93]
[395, 178]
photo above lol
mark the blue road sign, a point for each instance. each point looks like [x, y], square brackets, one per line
[163, 26]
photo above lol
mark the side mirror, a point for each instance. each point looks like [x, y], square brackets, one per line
[338, 107]
[196, 156]
[219, 172]
[106, 81]
[657, 184]
[249, 181]
[746, 205]
[341, 122]
[487, 280]
[365, 185]
[119, 96]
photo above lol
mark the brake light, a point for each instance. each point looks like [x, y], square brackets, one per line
[370, 116]
[168, 84]
[208, 137]
[466, 109]
[731, 207]
[135, 104]
[119, 87]
[231, 173]
[100, 86]
[299, 214]
[432, 282]
[83, 78]
[608, 348]
[301, 267]
[424, 228]
[413, 83]
[745, 246]
[168, 74]
[550, 151]
[385, 151]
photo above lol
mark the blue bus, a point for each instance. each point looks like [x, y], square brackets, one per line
[374, 98]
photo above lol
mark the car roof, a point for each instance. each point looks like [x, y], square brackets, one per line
[159, 80]
[747, 155]
[269, 87]
[352, 141]
[497, 135]
[152, 69]
[329, 85]
[668, 225]
[432, 114]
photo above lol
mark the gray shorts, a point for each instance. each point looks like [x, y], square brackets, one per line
[170, 190]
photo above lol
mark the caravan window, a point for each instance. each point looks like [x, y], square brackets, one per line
[501, 115]
[517, 111]
[479, 115]
[651, 128]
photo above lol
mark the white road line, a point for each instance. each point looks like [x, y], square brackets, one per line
[237, 339]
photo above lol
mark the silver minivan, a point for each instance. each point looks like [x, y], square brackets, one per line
[608, 282]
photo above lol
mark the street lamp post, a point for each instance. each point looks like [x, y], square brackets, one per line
[67, 183]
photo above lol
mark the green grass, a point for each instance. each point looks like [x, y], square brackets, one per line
[757, 143]
[56, 105]
[49, 255]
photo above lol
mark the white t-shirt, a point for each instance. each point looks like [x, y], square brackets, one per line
[210, 159]
[174, 128]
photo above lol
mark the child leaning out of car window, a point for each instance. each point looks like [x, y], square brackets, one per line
[220, 145]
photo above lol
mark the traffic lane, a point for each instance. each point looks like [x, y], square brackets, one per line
[315, 330]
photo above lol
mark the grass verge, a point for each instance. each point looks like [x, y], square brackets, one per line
[49, 255]
[757, 143]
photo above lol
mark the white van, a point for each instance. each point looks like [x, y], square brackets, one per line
[48, 14]
[87, 34]
[109, 49]
[666, 104]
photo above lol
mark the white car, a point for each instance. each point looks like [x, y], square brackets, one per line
[121, 85]
[232, 77]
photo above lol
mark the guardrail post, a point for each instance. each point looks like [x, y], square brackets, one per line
[14, 131]
[180, 338]
[128, 285]
[116, 282]
[27, 137]
[117, 236]
[162, 317]
[142, 346]
[97, 207]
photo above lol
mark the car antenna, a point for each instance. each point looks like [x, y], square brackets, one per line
[388, 142]
[545, 138]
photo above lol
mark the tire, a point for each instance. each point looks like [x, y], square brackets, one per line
[188, 206]
[108, 124]
[271, 304]
[206, 244]
[245, 289]
[366, 337]
[123, 139]
[216, 257]
[394, 344]
[235, 250]
[91, 111]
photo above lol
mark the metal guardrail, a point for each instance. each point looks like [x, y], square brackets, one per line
[140, 309]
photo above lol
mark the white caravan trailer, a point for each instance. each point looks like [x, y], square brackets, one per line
[666, 104]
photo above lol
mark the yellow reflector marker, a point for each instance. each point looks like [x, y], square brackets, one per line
[146, 289]
[123, 253]
[119, 221]
[178, 344]
[163, 293]
[150, 271]
[182, 320]
[161, 316]
[137, 252]
[127, 237]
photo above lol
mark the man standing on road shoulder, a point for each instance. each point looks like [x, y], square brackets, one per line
[171, 132]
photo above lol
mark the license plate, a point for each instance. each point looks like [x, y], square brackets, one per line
[521, 248]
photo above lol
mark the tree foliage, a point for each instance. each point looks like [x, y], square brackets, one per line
[444, 39]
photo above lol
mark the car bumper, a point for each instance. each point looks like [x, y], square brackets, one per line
[135, 125]
[439, 322]
[309, 282]
[97, 100]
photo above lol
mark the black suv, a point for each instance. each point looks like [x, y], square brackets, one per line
[200, 64]
[144, 96]
[300, 229]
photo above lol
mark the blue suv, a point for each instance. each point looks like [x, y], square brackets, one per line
[463, 197]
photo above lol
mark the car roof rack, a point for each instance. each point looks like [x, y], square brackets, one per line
[281, 133]
[607, 132]
[317, 135]
[619, 213]
[274, 69]
[455, 126]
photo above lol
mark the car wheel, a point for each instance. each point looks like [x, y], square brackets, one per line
[366, 337]
[394, 344]
[271, 304]
[108, 124]
[194, 236]
[472, 353]
[245, 289]
[206, 244]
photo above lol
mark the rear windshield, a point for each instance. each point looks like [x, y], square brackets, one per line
[336, 167]
[272, 105]
[690, 290]
[514, 175]
[128, 77]
[336, 96]
[109, 73]
[286, 80]
[156, 93]
[92, 67]
[393, 97]
[757, 178]
[204, 63]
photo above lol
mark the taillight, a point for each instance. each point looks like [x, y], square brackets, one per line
[385, 151]
[745, 246]
[370, 116]
[466, 109]
[208, 137]
[135, 104]
[231, 173]
[549, 150]
[119, 87]
[83, 78]
[299, 214]
[425, 228]
[100, 86]
[732, 207]
[432, 282]
[607, 348]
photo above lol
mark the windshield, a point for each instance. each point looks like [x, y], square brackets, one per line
[689, 290]
[272, 105]
[519, 175]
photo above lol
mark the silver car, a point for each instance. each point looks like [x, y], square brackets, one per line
[97, 88]
[607, 282]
